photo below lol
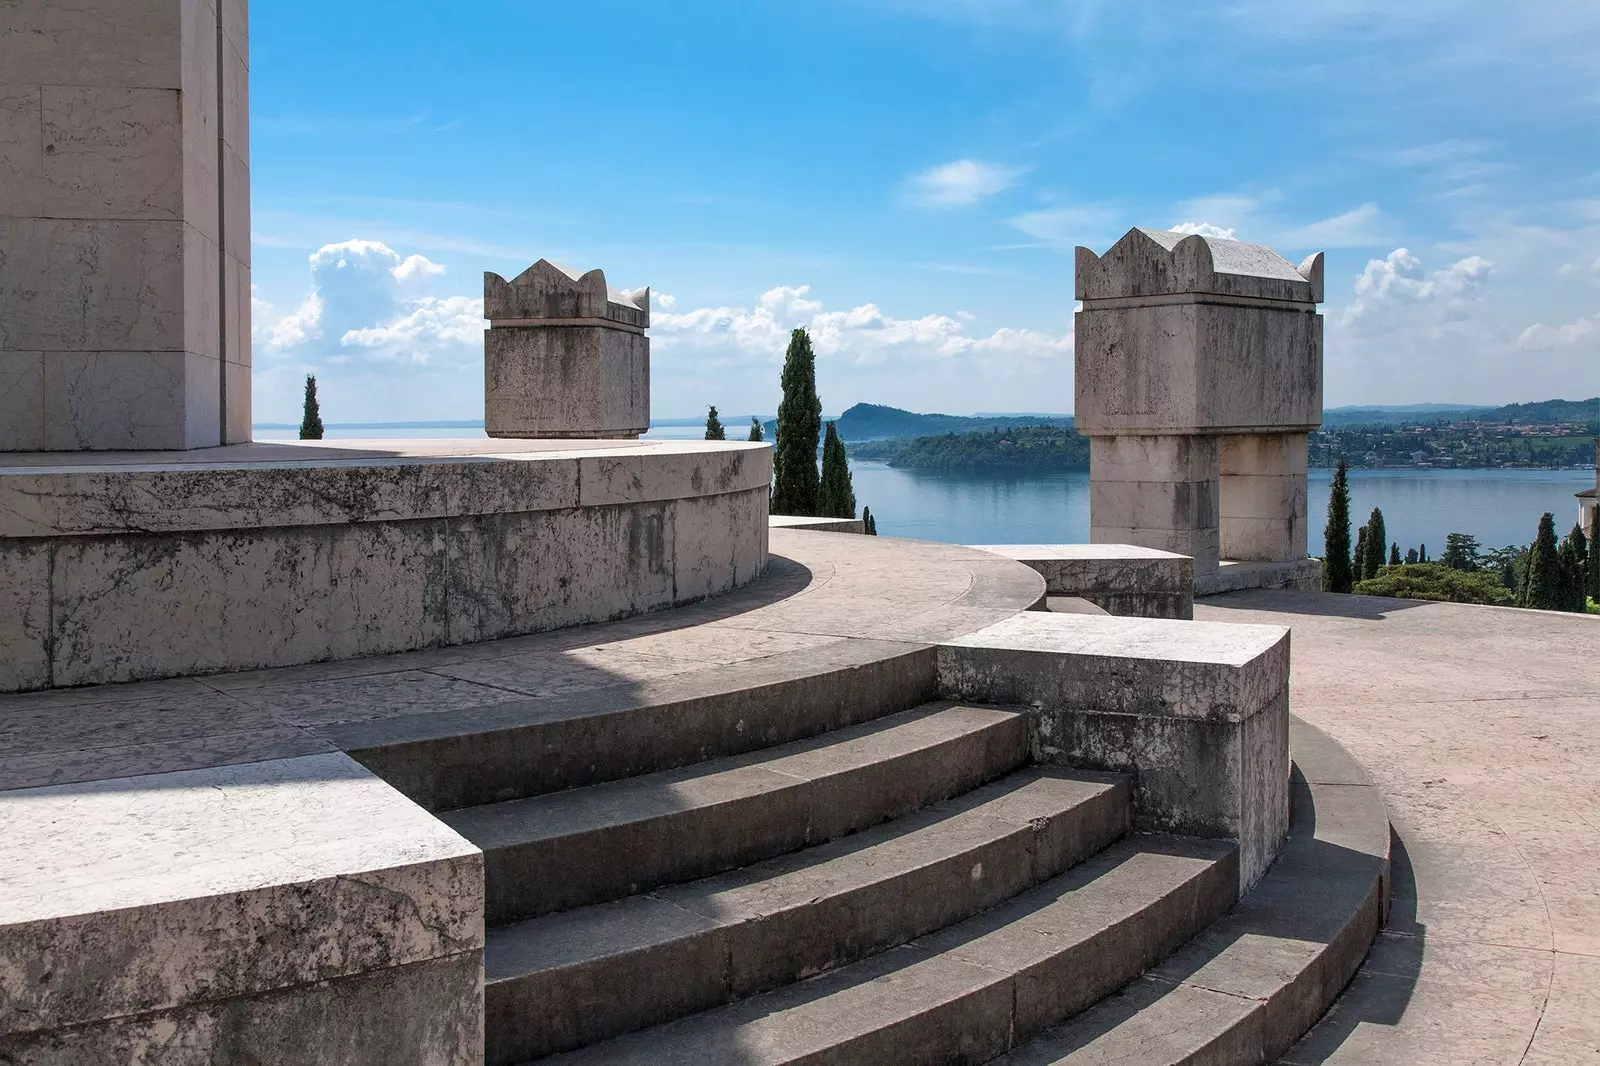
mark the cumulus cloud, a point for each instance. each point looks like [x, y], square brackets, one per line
[1205, 229]
[1398, 282]
[861, 336]
[960, 183]
[1540, 337]
[367, 302]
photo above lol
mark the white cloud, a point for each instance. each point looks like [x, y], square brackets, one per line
[861, 336]
[960, 183]
[1205, 229]
[367, 302]
[1064, 227]
[1540, 337]
[1398, 282]
[1358, 227]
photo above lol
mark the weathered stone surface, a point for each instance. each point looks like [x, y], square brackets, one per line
[1262, 487]
[1123, 579]
[421, 1014]
[179, 879]
[1198, 715]
[1304, 575]
[1150, 262]
[116, 218]
[564, 355]
[252, 559]
[696, 946]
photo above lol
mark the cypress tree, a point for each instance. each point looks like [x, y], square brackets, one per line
[1377, 537]
[755, 430]
[714, 430]
[1541, 587]
[1592, 568]
[1574, 561]
[1423, 552]
[869, 524]
[836, 496]
[1337, 575]
[311, 417]
[794, 461]
[1394, 555]
[1411, 555]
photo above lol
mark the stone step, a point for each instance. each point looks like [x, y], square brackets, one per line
[972, 991]
[570, 979]
[528, 747]
[587, 845]
[1247, 988]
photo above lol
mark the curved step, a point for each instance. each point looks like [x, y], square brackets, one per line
[971, 991]
[527, 747]
[587, 845]
[570, 979]
[1250, 986]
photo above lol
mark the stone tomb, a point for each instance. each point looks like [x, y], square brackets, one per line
[1198, 378]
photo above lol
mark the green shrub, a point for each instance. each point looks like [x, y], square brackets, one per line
[1432, 581]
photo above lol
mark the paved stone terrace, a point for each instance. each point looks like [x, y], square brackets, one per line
[1481, 726]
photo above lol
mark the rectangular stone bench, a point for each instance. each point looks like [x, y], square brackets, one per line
[1123, 579]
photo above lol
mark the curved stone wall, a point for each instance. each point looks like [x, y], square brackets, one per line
[139, 566]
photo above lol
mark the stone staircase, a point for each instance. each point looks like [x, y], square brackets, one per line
[904, 889]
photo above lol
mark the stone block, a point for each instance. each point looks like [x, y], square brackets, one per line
[1153, 458]
[708, 555]
[1154, 263]
[1197, 713]
[1200, 545]
[566, 381]
[1122, 579]
[87, 285]
[184, 882]
[816, 525]
[21, 150]
[112, 399]
[236, 418]
[101, 42]
[424, 1014]
[25, 641]
[21, 400]
[564, 356]
[112, 153]
[1197, 368]
[1154, 504]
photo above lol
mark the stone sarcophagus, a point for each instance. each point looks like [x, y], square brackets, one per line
[1198, 378]
[564, 355]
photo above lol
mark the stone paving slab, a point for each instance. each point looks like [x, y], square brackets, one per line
[1481, 727]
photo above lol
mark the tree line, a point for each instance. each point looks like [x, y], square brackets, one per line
[1547, 574]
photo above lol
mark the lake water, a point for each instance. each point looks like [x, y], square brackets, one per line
[1498, 507]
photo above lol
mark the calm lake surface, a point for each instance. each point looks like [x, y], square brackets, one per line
[1499, 507]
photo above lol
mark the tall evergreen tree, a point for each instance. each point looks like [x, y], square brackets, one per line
[869, 524]
[1574, 555]
[836, 496]
[1541, 586]
[1592, 568]
[794, 461]
[756, 433]
[1411, 555]
[1377, 537]
[1423, 552]
[1358, 567]
[1394, 555]
[311, 417]
[1337, 575]
[714, 430]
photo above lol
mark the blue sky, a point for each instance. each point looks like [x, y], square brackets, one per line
[908, 181]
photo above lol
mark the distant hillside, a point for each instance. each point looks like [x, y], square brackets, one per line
[1031, 449]
[1545, 412]
[870, 421]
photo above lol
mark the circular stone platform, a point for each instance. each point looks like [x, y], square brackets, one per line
[123, 566]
